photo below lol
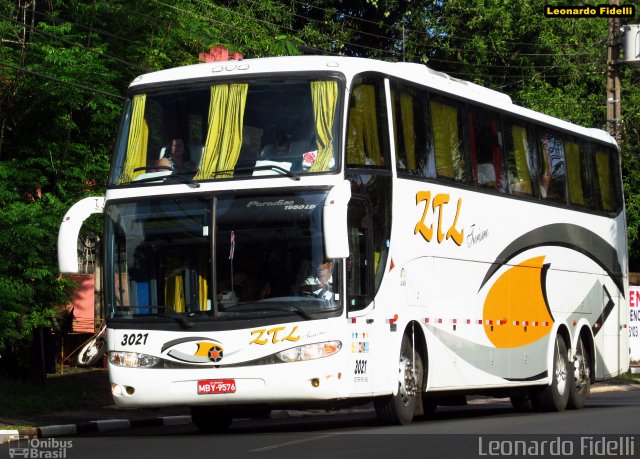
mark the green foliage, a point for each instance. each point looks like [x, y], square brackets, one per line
[30, 290]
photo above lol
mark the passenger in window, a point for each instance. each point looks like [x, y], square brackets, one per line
[282, 146]
[177, 158]
[319, 284]
[546, 190]
[276, 150]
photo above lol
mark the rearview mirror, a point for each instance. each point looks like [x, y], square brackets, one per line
[70, 229]
[334, 222]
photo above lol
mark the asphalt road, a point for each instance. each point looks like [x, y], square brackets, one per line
[608, 426]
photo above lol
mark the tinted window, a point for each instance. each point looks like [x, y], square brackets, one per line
[412, 131]
[551, 166]
[579, 177]
[520, 155]
[485, 148]
[447, 121]
[606, 178]
[367, 125]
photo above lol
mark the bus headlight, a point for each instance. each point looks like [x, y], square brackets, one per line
[133, 359]
[309, 352]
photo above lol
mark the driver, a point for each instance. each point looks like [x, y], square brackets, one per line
[319, 285]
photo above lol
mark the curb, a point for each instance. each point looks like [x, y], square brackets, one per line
[110, 424]
[94, 426]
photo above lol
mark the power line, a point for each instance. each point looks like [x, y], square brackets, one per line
[279, 27]
[422, 32]
[69, 83]
[78, 45]
[91, 29]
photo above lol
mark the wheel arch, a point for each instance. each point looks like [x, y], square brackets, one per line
[563, 332]
[586, 335]
[414, 328]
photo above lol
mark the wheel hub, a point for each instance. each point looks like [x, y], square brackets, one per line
[581, 371]
[408, 378]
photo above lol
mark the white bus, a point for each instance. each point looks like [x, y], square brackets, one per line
[319, 231]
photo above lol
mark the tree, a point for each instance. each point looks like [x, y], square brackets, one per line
[64, 69]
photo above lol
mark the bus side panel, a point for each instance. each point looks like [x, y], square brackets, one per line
[491, 279]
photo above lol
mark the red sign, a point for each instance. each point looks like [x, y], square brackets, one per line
[216, 386]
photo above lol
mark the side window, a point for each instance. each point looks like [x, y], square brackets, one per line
[368, 242]
[551, 166]
[520, 155]
[359, 263]
[412, 131]
[606, 170]
[367, 125]
[447, 121]
[485, 148]
[578, 172]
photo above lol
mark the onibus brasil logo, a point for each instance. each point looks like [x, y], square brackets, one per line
[25, 446]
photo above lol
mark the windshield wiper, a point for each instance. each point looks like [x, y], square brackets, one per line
[169, 313]
[269, 167]
[153, 168]
[182, 179]
[289, 307]
[178, 177]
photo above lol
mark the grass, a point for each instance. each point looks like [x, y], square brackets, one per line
[629, 378]
[76, 389]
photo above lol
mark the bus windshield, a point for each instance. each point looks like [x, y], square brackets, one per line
[262, 255]
[227, 130]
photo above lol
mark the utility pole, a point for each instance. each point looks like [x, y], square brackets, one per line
[614, 121]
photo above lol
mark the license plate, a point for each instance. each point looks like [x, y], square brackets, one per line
[216, 386]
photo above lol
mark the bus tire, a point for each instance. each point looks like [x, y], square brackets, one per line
[400, 408]
[556, 396]
[211, 419]
[581, 387]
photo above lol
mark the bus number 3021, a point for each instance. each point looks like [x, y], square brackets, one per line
[134, 339]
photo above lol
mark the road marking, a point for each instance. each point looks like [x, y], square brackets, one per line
[295, 442]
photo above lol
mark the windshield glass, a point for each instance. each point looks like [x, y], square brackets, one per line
[228, 130]
[267, 257]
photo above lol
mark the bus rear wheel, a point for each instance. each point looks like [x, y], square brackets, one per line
[581, 388]
[211, 419]
[400, 408]
[555, 396]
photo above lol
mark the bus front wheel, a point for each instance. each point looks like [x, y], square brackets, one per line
[400, 408]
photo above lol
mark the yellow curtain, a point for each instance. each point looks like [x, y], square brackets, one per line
[324, 95]
[370, 120]
[174, 287]
[444, 120]
[394, 122]
[224, 137]
[408, 130]
[355, 139]
[520, 151]
[365, 97]
[576, 194]
[203, 288]
[603, 167]
[137, 143]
